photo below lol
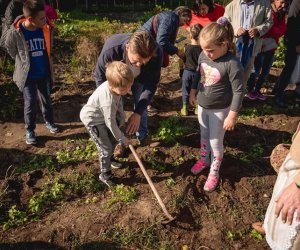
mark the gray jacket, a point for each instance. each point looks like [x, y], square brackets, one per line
[17, 48]
[262, 19]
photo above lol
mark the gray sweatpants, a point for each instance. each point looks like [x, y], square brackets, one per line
[211, 127]
[105, 143]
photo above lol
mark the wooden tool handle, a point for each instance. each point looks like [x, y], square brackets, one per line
[150, 182]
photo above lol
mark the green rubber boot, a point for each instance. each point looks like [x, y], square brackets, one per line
[184, 110]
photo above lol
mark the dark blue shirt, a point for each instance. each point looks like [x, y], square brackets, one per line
[37, 52]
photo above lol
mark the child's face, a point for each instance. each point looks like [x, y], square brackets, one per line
[213, 51]
[136, 59]
[39, 20]
[121, 91]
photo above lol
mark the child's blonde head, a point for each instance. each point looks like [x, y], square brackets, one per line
[143, 44]
[195, 31]
[218, 33]
[119, 75]
[32, 7]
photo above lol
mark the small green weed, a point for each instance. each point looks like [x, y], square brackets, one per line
[38, 162]
[158, 166]
[124, 193]
[83, 183]
[170, 182]
[84, 149]
[16, 217]
[171, 128]
[256, 235]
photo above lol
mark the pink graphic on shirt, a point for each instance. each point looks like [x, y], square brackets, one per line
[209, 75]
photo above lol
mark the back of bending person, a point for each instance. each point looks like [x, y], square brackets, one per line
[144, 56]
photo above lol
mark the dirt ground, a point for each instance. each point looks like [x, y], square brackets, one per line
[218, 220]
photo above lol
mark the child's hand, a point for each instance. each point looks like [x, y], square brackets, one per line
[125, 142]
[192, 98]
[230, 121]
[119, 151]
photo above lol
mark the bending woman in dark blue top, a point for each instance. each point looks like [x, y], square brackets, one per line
[144, 56]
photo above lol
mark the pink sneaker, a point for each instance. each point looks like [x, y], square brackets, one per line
[260, 96]
[211, 182]
[198, 166]
[251, 95]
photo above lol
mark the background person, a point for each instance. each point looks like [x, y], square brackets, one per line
[251, 19]
[29, 44]
[264, 60]
[205, 12]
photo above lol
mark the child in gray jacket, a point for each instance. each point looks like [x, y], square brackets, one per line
[103, 116]
[29, 42]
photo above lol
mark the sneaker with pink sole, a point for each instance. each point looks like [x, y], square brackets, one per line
[260, 96]
[211, 182]
[199, 166]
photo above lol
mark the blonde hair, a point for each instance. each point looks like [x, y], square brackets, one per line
[32, 7]
[219, 32]
[195, 30]
[119, 75]
[143, 44]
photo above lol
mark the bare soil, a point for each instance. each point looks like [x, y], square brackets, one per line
[217, 220]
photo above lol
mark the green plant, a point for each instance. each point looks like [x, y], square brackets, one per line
[170, 182]
[256, 150]
[16, 217]
[84, 149]
[256, 235]
[171, 128]
[158, 166]
[280, 54]
[38, 162]
[124, 193]
[83, 183]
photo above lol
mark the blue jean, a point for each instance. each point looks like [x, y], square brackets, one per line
[37, 89]
[187, 80]
[262, 65]
[137, 90]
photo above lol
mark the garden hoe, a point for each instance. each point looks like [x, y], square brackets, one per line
[137, 158]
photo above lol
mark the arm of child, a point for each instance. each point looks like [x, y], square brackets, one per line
[111, 123]
[230, 120]
[10, 44]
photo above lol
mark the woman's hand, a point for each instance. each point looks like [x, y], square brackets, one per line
[288, 203]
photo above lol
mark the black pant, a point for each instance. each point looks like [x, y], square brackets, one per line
[40, 88]
[285, 76]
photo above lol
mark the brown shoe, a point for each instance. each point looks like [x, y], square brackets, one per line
[259, 227]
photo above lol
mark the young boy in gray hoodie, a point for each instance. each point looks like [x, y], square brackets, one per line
[103, 116]
[29, 42]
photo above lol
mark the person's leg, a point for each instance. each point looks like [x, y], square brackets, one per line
[266, 67]
[100, 135]
[284, 78]
[186, 80]
[257, 67]
[204, 160]
[137, 90]
[216, 137]
[30, 107]
[44, 92]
